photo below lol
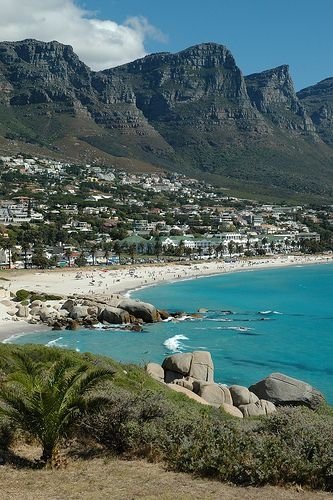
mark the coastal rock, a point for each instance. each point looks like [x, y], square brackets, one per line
[242, 396]
[68, 305]
[215, 394]
[198, 365]
[114, 315]
[47, 314]
[79, 312]
[171, 376]
[36, 303]
[147, 312]
[23, 311]
[156, 371]
[179, 363]
[283, 390]
[189, 394]
[185, 382]
[163, 314]
[232, 410]
[202, 367]
[261, 407]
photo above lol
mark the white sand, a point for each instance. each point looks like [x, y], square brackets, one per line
[119, 281]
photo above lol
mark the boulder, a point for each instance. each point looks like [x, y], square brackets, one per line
[47, 314]
[261, 407]
[147, 312]
[185, 382]
[36, 303]
[197, 364]
[68, 305]
[268, 406]
[163, 314]
[179, 363]
[114, 315]
[156, 371]
[215, 394]
[170, 376]
[35, 311]
[242, 396]
[283, 390]
[22, 311]
[232, 410]
[189, 394]
[202, 367]
[252, 409]
[78, 312]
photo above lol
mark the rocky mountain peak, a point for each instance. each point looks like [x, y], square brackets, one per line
[273, 93]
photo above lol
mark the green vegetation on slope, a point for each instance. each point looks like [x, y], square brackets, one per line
[140, 417]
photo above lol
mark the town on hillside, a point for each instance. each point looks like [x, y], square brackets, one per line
[56, 214]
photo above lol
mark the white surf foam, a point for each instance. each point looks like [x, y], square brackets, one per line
[174, 344]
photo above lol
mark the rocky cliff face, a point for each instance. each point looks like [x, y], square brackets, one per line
[318, 101]
[273, 93]
[192, 111]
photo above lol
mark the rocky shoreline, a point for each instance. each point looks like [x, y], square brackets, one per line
[192, 374]
[81, 311]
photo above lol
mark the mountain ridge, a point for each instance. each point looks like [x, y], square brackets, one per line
[193, 112]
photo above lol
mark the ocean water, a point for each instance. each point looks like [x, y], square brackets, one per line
[257, 322]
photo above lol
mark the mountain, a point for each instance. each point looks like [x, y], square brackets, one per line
[193, 112]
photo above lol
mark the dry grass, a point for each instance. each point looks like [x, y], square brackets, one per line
[116, 479]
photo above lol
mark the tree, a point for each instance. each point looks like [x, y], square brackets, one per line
[132, 251]
[107, 247]
[158, 247]
[46, 401]
[8, 244]
[231, 247]
[117, 249]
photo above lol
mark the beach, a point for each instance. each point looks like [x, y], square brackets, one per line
[119, 281]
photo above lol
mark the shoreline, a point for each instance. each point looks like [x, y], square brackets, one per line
[122, 281]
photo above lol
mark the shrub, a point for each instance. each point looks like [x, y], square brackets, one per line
[22, 295]
[129, 422]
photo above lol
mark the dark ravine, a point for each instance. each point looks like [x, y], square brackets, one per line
[193, 112]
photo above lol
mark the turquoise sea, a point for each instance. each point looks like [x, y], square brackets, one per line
[258, 322]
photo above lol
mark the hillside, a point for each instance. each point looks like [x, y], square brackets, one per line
[193, 112]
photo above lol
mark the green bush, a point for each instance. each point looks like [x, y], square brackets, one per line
[22, 295]
[122, 426]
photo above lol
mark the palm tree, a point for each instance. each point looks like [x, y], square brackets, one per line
[46, 402]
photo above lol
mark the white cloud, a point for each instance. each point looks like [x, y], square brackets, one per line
[99, 43]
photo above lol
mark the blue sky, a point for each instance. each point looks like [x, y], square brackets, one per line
[260, 33]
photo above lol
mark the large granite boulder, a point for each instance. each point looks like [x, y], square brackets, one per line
[242, 396]
[68, 305]
[114, 315]
[178, 363]
[156, 371]
[142, 310]
[202, 367]
[22, 311]
[197, 364]
[232, 410]
[283, 390]
[215, 394]
[47, 314]
[261, 407]
[189, 394]
[79, 312]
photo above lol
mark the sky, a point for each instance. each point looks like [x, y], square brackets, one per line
[261, 34]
